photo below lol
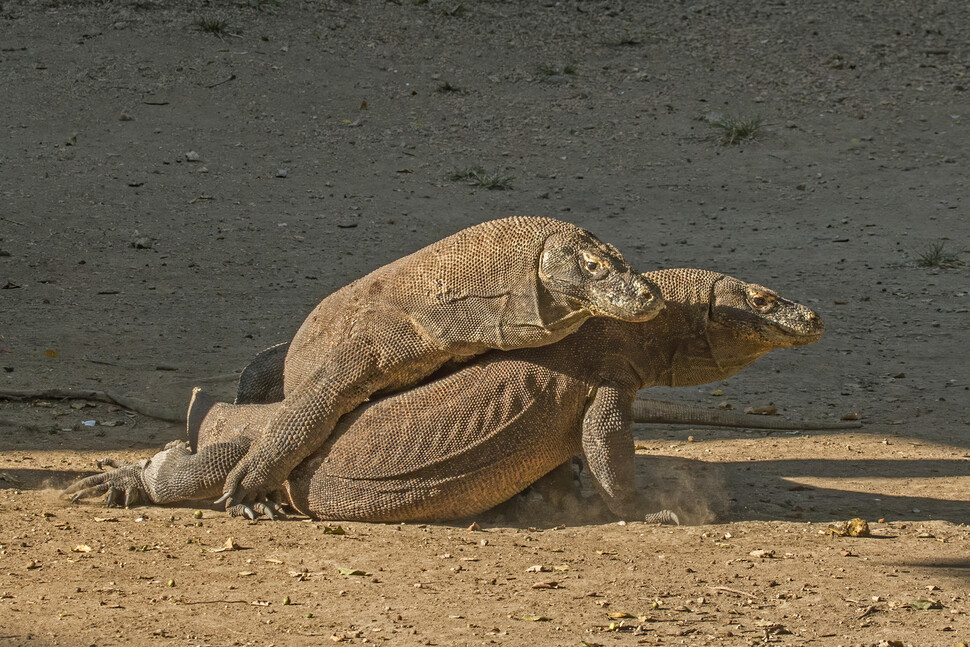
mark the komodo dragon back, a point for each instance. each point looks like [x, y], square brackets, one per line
[513, 283]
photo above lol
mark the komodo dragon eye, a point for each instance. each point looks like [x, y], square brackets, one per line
[595, 267]
[761, 301]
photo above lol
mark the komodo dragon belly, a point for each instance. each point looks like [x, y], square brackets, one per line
[477, 438]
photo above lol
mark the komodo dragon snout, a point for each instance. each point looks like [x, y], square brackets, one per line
[593, 276]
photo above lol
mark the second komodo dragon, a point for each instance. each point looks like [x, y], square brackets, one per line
[506, 284]
[467, 441]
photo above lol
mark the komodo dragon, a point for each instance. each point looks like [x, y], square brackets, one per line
[513, 283]
[467, 441]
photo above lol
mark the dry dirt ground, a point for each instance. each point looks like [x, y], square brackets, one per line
[180, 183]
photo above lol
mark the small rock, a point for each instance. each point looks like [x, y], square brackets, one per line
[192, 156]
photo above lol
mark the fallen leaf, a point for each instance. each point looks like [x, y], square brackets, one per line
[333, 530]
[229, 545]
[51, 353]
[619, 614]
[546, 585]
[536, 618]
[353, 571]
[925, 605]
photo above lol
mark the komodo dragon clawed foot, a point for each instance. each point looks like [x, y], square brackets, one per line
[123, 485]
[664, 518]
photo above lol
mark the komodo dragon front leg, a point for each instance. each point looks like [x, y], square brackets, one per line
[608, 449]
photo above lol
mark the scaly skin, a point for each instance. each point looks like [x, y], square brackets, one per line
[506, 284]
[467, 441]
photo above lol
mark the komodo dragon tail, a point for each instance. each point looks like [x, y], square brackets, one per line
[661, 411]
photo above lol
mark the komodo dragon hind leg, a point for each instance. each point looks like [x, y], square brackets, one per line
[172, 475]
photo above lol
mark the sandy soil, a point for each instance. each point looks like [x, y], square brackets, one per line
[172, 200]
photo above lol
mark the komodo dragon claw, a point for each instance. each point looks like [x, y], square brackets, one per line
[270, 509]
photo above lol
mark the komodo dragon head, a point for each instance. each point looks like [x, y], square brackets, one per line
[585, 274]
[718, 325]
